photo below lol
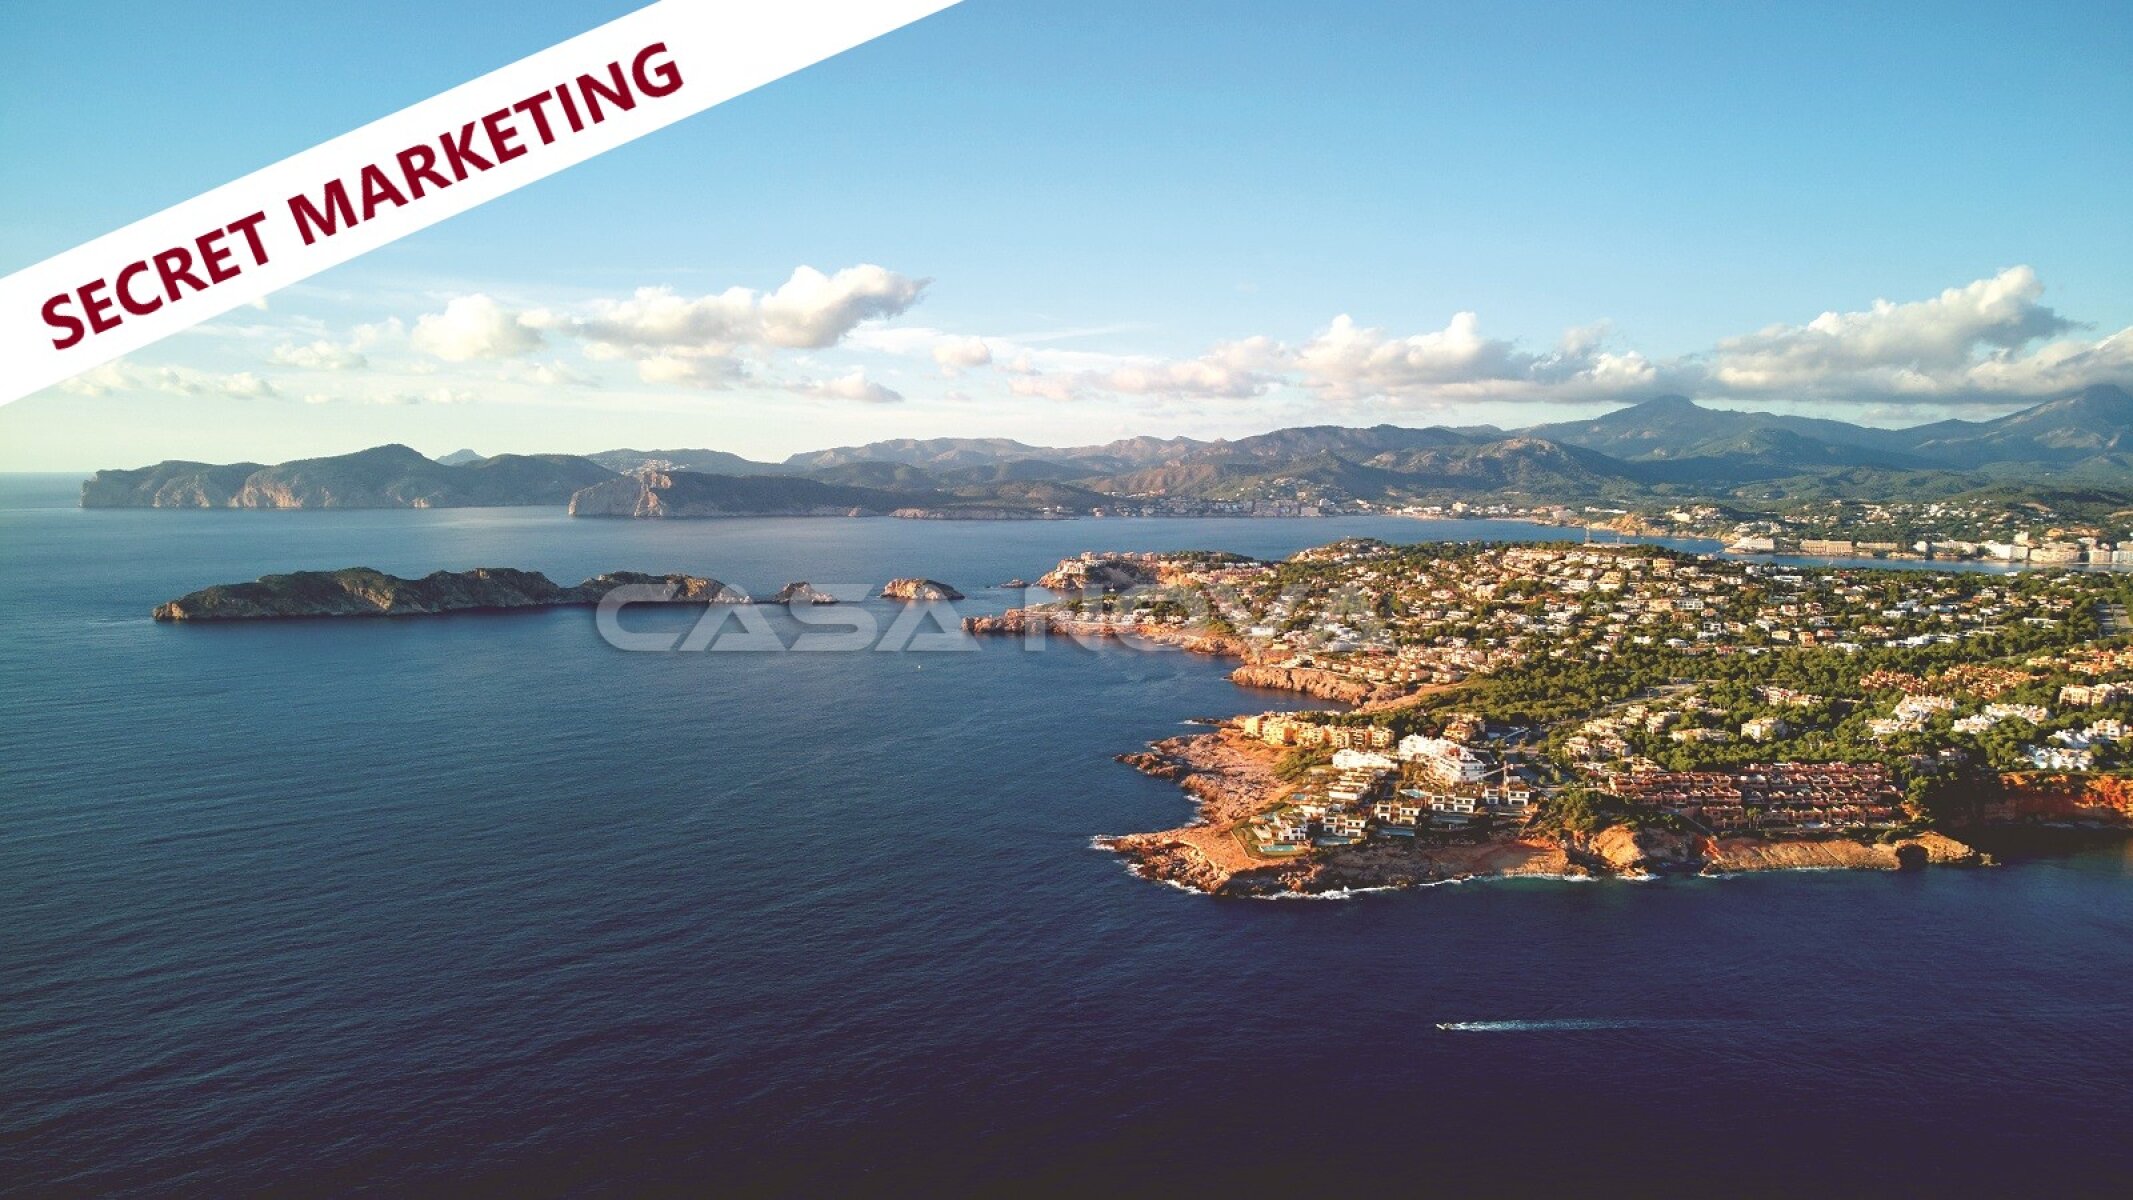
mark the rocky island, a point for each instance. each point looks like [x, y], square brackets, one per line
[923, 591]
[802, 593]
[363, 592]
[1579, 711]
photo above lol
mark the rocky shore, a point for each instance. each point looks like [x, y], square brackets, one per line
[1231, 778]
[1025, 622]
[363, 592]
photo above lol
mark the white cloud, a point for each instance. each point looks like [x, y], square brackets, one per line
[436, 395]
[690, 372]
[1992, 340]
[1977, 342]
[808, 311]
[854, 386]
[321, 355]
[475, 326]
[957, 354]
[553, 373]
[1231, 371]
[122, 376]
[1348, 360]
[1935, 346]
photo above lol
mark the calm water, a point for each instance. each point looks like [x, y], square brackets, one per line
[479, 903]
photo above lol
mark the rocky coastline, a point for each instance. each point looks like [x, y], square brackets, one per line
[1230, 777]
[364, 592]
[1026, 622]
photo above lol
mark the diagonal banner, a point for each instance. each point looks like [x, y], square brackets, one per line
[432, 160]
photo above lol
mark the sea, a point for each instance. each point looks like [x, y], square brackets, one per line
[481, 904]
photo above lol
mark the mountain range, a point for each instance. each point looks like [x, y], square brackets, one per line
[1663, 448]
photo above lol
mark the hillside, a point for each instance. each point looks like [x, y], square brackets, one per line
[382, 477]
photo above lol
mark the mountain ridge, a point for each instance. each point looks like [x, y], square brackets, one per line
[1663, 447]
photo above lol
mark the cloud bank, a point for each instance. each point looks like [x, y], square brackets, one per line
[835, 337]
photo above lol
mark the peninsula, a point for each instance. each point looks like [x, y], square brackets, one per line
[363, 592]
[1561, 710]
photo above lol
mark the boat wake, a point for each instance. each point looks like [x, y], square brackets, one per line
[1574, 1023]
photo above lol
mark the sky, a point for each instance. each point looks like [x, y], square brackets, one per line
[1072, 223]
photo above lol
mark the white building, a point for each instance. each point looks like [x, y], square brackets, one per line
[1444, 758]
[1363, 760]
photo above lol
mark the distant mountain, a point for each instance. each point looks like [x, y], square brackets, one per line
[460, 458]
[888, 476]
[1667, 447]
[1527, 465]
[716, 462]
[918, 452]
[948, 454]
[1348, 443]
[1020, 470]
[2090, 430]
[1674, 427]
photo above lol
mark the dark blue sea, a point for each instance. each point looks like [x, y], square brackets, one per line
[480, 904]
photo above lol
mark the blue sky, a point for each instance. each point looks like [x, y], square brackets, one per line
[1142, 218]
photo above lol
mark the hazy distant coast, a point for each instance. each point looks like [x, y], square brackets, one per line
[1662, 466]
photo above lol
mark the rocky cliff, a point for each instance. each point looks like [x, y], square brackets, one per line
[2030, 797]
[363, 592]
[1619, 849]
[1311, 681]
[1099, 575]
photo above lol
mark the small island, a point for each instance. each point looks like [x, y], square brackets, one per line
[364, 592]
[919, 591]
[1571, 711]
[802, 593]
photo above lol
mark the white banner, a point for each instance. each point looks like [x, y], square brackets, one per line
[328, 204]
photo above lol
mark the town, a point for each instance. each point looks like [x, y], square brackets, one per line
[1501, 689]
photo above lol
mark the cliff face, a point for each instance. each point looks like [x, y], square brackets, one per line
[363, 592]
[168, 485]
[382, 477]
[2030, 797]
[1725, 855]
[1325, 685]
[919, 590]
